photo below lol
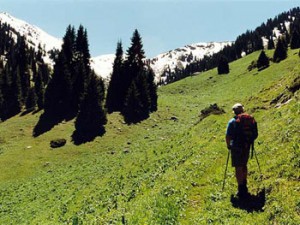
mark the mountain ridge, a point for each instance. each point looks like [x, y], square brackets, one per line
[102, 64]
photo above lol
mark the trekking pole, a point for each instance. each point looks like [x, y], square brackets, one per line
[257, 162]
[226, 170]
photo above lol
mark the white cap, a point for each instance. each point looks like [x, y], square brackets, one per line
[238, 108]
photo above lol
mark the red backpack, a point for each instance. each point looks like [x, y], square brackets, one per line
[246, 129]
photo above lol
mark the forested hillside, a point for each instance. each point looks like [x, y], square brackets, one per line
[285, 26]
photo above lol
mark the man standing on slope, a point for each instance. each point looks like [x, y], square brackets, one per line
[240, 135]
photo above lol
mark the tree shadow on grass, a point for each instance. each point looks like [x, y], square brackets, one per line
[251, 203]
[45, 123]
[79, 137]
[49, 120]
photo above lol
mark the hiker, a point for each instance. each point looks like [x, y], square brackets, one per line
[240, 135]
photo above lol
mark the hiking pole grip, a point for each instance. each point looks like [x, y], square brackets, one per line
[226, 170]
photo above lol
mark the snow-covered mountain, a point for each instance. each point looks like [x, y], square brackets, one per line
[181, 57]
[34, 35]
[102, 65]
[178, 58]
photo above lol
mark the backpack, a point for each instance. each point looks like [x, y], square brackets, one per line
[246, 129]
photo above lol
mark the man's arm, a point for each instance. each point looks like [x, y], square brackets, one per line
[228, 139]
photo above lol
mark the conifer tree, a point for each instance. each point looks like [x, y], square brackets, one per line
[223, 67]
[14, 95]
[80, 83]
[271, 44]
[82, 47]
[58, 95]
[152, 90]
[141, 82]
[81, 69]
[280, 52]
[69, 45]
[91, 118]
[31, 100]
[1, 96]
[116, 89]
[39, 88]
[137, 103]
[23, 67]
[295, 40]
[133, 111]
[58, 92]
[134, 63]
[263, 61]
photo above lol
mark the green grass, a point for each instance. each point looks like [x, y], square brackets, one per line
[160, 171]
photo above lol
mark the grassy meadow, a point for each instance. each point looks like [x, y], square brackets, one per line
[168, 169]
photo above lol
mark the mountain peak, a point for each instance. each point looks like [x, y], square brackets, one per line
[33, 34]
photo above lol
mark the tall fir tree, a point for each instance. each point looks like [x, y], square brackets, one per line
[137, 83]
[69, 45]
[31, 100]
[280, 52]
[116, 89]
[14, 96]
[263, 61]
[295, 40]
[39, 88]
[152, 89]
[91, 118]
[82, 68]
[223, 66]
[134, 63]
[23, 66]
[82, 47]
[59, 90]
[133, 110]
[1, 95]
[271, 44]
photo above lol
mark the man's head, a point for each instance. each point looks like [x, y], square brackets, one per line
[238, 108]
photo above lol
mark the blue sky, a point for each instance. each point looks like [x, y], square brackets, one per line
[163, 24]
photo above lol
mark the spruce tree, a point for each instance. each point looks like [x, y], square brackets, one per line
[271, 44]
[116, 89]
[14, 95]
[91, 118]
[39, 88]
[223, 67]
[58, 92]
[133, 111]
[69, 45]
[23, 66]
[137, 103]
[152, 89]
[134, 63]
[295, 40]
[263, 61]
[1, 95]
[81, 70]
[31, 100]
[82, 47]
[280, 52]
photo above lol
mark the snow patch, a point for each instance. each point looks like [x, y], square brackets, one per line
[33, 34]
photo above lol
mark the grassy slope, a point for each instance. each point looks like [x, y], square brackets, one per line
[160, 171]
